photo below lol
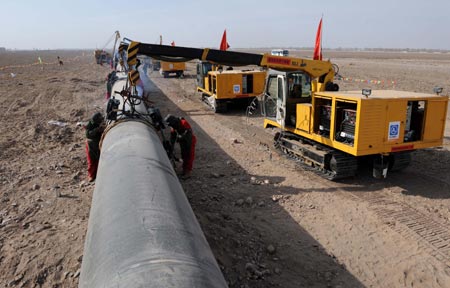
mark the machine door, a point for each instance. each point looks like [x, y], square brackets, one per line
[200, 80]
[202, 70]
[281, 101]
[274, 99]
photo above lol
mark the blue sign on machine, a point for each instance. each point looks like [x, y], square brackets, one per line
[394, 130]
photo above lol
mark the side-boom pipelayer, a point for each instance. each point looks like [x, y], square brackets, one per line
[324, 129]
[323, 70]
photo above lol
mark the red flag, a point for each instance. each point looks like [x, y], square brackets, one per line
[224, 44]
[318, 46]
[173, 43]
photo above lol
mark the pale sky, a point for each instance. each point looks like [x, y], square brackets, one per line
[61, 24]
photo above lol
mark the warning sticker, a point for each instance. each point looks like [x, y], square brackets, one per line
[237, 89]
[394, 130]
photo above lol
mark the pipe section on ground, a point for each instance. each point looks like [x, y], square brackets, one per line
[142, 231]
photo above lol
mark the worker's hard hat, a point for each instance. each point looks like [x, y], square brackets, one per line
[97, 118]
[171, 120]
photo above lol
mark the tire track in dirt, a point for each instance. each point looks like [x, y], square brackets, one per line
[432, 235]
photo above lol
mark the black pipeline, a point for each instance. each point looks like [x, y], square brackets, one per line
[142, 231]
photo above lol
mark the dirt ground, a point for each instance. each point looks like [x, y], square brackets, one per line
[269, 222]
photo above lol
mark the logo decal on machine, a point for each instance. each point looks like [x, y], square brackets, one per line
[236, 88]
[394, 130]
[279, 60]
[402, 148]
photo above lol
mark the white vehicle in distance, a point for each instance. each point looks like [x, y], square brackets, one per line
[280, 52]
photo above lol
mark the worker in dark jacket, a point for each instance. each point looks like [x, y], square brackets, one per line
[181, 132]
[94, 131]
[110, 80]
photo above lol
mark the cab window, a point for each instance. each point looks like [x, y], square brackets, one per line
[299, 85]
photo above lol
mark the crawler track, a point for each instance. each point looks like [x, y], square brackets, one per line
[218, 106]
[325, 162]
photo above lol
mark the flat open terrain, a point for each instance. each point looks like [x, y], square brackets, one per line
[269, 222]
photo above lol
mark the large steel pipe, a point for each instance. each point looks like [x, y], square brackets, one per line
[142, 231]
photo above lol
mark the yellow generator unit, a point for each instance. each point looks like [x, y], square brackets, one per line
[221, 87]
[156, 64]
[168, 68]
[330, 131]
[384, 122]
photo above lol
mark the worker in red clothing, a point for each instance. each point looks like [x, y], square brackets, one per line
[94, 131]
[181, 132]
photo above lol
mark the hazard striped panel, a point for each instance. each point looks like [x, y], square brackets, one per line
[132, 51]
[121, 48]
[205, 54]
[133, 76]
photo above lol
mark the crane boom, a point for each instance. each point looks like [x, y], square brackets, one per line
[315, 68]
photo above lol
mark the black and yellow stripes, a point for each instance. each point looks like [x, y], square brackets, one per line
[121, 48]
[133, 76]
[132, 52]
[204, 54]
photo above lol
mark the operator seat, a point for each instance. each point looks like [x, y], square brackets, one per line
[296, 91]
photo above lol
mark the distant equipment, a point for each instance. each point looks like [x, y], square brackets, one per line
[168, 68]
[104, 57]
[219, 87]
[280, 52]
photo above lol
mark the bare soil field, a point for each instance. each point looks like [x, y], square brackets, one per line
[269, 222]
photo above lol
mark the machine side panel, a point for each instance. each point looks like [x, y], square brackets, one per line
[435, 120]
[371, 126]
[395, 122]
[225, 85]
[173, 66]
[239, 85]
[304, 117]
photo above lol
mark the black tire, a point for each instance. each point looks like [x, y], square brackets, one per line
[219, 106]
[399, 161]
[276, 140]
